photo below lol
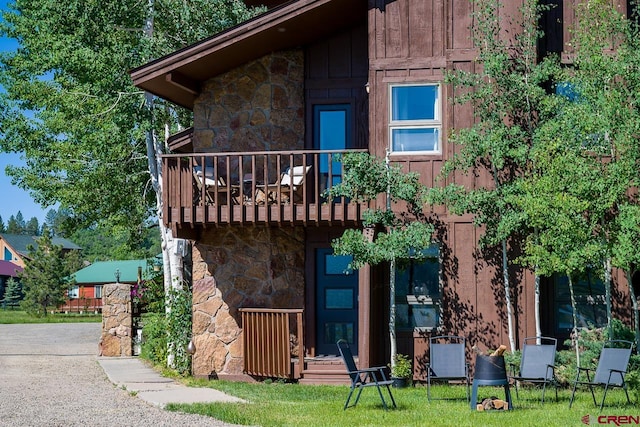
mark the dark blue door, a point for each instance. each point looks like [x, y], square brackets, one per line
[336, 302]
[331, 131]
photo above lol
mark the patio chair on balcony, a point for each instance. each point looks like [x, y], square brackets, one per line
[447, 361]
[537, 365]
[612, 367]
[362, 378]
[211, 186]
[289, 186]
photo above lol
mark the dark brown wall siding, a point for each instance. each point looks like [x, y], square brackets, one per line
[459, 25]
[336, 72]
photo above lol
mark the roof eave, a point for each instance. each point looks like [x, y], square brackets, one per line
[178, 77]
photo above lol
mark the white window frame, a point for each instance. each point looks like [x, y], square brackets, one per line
[97, 291]
[74, 292]
[435, 123]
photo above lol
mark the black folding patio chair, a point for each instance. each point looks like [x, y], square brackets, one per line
[447, 361]
[612, 367]
[366, 377]
[537, 364]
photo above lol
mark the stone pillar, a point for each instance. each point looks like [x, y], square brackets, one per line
[117, 320]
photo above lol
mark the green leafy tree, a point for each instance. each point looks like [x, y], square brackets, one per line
[507, 95]
[88, 135]
[564, 241]
[402, 233]
[626, 255]
[12, 293]
[584, 163]
[3, 229]
[70, 106]
[45, 277]
[109, 243]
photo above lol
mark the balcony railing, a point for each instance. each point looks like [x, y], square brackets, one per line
[82, 305]
[255, 187]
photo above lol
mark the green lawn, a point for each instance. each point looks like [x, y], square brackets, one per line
[279, 404]
[8, 316]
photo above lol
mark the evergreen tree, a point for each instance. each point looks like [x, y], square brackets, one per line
[45, 277]
[32, 227]
[12, 294]
[13, 225]
[3, 229]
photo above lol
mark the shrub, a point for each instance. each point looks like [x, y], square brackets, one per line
[179, 329]
[154, 333]
[402, 367]
[590, 345]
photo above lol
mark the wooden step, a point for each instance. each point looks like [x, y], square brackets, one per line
[325, 370]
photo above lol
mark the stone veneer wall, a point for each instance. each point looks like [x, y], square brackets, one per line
[236, 267]
[256, 107]
[117, 320]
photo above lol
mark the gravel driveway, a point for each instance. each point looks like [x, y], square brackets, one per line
[49, 376]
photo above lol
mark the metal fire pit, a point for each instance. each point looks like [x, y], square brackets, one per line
[491, 371]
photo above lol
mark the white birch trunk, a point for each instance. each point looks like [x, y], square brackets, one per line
[536, 303]
[171, 258]
[507, 296]
[392, 312]
[575, 320]
[607, 294]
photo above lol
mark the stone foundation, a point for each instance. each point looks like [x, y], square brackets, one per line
[116, 339]
[236, 267]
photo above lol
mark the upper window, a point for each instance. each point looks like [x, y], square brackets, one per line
[416, 122]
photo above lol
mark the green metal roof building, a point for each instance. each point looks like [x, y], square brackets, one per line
[101, 272]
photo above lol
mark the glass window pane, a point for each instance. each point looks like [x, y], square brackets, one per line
[402, 282]
[425, 279]
[333, 136]
[414, 102]
[335, 331]
[337, 264]
[74, 292]
[339, 299]
[425, 317]
[402, 316]
[587, 316]
[415, 139]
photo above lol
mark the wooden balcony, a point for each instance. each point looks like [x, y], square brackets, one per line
[268, 187]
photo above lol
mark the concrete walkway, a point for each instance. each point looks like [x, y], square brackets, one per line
[131, 374]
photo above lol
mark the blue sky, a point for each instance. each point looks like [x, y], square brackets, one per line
[12, 198]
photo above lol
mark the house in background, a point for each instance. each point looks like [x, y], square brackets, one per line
[86, 294]
[15, 247]
[289, 90]
[8, 270]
